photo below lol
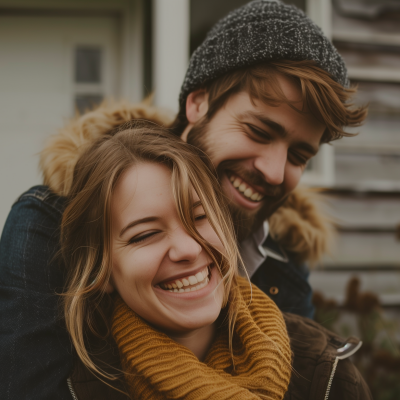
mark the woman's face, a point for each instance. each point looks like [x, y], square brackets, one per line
[159, 270]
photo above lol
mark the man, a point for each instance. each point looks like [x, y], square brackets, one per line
[261, 94]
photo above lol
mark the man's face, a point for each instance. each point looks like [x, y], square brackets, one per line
[259, 151]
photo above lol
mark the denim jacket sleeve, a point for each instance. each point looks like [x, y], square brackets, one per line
[36, 353]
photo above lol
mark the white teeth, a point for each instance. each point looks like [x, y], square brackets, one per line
[237, 183]
[192, 280]
[179, 284]
[196, 282]
[248, 192]
[199, 276]
[185, 282]
[242, 187]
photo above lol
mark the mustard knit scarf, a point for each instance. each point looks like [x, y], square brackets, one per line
[156, 367]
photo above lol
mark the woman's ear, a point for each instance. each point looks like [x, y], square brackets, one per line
[109, 287]
[196, 105]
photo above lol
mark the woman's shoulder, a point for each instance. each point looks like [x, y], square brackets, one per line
[264, 312]
[321, 364]
[321, 361]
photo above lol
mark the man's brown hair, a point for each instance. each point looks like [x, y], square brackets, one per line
[322, 96]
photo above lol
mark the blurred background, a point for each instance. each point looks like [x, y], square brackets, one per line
[59, 56]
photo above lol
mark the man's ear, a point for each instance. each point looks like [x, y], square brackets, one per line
[196, 105]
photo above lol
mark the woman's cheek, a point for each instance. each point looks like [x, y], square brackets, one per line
[142, 264]
[208, 233]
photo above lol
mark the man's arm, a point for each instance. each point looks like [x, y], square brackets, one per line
[36, 353]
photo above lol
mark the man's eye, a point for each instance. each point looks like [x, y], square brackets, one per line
[298, 159]
[260, 134]
[141, 238]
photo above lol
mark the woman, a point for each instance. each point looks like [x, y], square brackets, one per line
[151, 255]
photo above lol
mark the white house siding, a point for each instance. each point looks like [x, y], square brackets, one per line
[39, 90]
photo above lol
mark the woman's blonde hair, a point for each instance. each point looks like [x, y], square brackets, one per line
[86, 244]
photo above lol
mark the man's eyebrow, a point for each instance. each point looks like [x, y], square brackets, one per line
[279, 130]
[275, 126]
[137, 222]
[306, 147]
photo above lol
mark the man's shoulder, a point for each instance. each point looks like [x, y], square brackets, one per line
[320, 362]
[42, 195]
[34, 343]
[30, 242]
[302, 227]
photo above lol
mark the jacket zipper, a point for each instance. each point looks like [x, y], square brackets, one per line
[328, 389]
[71, 389]
[348, 350]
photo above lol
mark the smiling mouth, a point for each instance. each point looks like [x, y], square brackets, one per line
[244, 189]
[189, 283]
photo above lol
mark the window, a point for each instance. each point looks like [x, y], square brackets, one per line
[88, 77]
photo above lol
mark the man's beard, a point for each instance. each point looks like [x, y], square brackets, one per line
[245, 221]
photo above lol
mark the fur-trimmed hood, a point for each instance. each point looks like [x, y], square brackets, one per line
[298, 226]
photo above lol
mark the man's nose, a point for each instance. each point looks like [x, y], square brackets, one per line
[271, 164]
[183, 247]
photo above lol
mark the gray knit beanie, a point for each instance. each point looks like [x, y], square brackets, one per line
[261, 30]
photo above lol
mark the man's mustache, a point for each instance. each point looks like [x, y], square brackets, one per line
[253, 178]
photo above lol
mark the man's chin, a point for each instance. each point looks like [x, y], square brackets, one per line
[248, 221]
[245, 221]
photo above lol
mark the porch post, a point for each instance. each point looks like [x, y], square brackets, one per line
[171, 25]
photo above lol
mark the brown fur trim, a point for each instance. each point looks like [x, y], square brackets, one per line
[58, 159]
[301, 228]
[298, 226]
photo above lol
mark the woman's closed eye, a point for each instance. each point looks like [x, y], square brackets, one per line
[199, 217]
[142, 237]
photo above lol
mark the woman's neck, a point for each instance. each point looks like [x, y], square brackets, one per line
[198, 341]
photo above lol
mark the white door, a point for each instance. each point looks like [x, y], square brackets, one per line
[48, 67]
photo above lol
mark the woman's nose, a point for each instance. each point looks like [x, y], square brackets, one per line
[183, 247]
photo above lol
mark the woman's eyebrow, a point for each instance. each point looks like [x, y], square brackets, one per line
[196, 204]
[137, 222]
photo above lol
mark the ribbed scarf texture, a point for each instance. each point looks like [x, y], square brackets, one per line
[156, 367]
